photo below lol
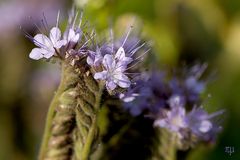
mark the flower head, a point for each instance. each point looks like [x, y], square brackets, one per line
[170, 103]
[114, 67]
[173, 119]
[95, 57]
[195, 123]
[73, 32]
[112, 61]
[158, 89]
[202, 124]
[47, 45]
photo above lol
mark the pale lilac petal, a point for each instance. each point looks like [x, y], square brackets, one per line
[205, 126]
[127, 60]
[120, 54]
[60, 43]
[76, 38]
[42, 41]
[160, 123]
[72, 36]
[36, 54]
[55, 34]
[100, 75]
[98, 59]
[108, 61]
[110, 85]
[89, 60]
[122, 80]
[48, 54]
[121, 66]
[129, 99]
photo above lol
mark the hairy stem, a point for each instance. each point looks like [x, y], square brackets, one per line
[166, 148]
[71, 129]
[50, 115]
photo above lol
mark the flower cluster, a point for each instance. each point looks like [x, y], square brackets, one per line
[110, 62]
[49, 46]
[174, 104]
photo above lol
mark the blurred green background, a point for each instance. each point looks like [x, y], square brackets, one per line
[181, 31]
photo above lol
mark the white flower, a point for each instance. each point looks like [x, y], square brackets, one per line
[47, 45]
[114, 70]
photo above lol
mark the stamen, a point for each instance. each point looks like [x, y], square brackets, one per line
[132, 48]
[57, 23]
[136, 49]
[30, 17]
[215, 114]
[112, 39]
[31, 38]
[130, 29]
[137, 59]
[143, 54]
[45, 20]
[80, 22]
[44, 26]
[75, 17]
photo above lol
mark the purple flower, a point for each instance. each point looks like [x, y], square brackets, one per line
[72, 36]
[173, 119]
[73, 32]
[170, 103]
[47, 45]
[94, 58]
[197, 122]
[202, 124]
[114, 67]
[112, 60]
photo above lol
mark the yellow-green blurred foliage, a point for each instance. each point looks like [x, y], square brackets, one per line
[181, 31]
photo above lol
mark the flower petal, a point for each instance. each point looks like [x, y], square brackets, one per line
[205, 126]
[55, 35]
[110, 85]
[122, 80]
[89, 60]
[48, 54]
[36, 54]
[108, 62]
[100, 75]
[120, 54]
[60, 43]
[42, 41]
[72, 36]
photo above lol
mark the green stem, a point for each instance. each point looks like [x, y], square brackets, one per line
[166, 148]
[91, 136]
[50, 115]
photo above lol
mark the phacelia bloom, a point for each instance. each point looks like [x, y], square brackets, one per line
[72, 36]
[47, 45]
[114, 68]
[170, 103]
[202, 124]
[73, 32]
[160, 88]
[62, 47]
[95, 57]
[115, 59]
[195, 123]
[173, 119]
